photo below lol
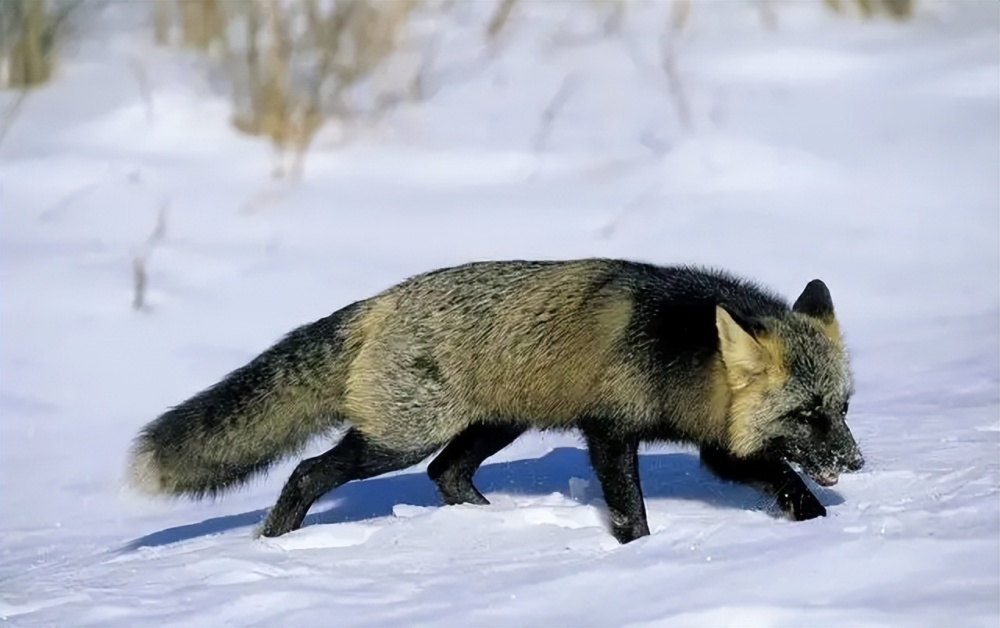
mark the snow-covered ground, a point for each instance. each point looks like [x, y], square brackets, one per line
[867, 155]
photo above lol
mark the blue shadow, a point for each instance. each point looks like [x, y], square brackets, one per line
[672, 476]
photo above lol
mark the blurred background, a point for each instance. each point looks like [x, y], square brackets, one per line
[290, 67]
[184, 113]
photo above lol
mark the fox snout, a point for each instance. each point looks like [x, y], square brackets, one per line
[849, 458]
[856, 463]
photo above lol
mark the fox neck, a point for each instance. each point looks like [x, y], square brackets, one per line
[719, 429]
[733, 421]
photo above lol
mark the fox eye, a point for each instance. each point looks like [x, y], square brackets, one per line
[813, 416]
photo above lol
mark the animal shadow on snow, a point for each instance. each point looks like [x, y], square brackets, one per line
[668, 476]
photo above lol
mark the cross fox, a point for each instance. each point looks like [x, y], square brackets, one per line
[466, 359]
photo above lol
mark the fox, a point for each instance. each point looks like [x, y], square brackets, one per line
[461, 361]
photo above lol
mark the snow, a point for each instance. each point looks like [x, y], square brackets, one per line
[865, 154]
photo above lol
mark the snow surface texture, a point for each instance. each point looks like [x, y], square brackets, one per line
[864, 154]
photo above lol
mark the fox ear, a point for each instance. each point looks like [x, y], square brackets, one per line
[816, 302]
[743, 356]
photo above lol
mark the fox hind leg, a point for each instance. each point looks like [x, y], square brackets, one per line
[354, 458]
[452, 470]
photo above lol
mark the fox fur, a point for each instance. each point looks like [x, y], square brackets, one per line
[469, 357]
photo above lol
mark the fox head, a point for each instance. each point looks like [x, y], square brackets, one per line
[790, 384]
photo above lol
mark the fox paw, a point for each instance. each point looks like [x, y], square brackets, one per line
[803, 507]
[281, 521]
[458, 489]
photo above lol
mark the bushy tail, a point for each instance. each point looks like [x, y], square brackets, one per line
[257, 415]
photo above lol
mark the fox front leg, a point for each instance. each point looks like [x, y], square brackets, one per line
[770, 475]
[616, 462]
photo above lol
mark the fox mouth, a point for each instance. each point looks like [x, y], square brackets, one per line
[825, 478]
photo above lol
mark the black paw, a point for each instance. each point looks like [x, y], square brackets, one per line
[629, 531]
[279, 523]
[471, 496]
[457, 489]
[803, 507]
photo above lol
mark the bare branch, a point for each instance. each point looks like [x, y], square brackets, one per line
[140, 262]
[500, 18]
[145, 87]
[140, 280]
[566, 88]
[10, 114]
[615, 221]
[680, 12]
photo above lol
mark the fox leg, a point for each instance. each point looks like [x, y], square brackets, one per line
[354, 458]
[772, 476]
[453, 468]
[615, 459]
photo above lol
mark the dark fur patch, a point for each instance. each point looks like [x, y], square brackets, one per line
[674, 316]
[428, 368]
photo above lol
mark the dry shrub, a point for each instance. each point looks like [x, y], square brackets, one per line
[293, 80]
[293, 65]
[29, 34]
[614, 13]
[868, 9]
[200, 24]
[500, 18]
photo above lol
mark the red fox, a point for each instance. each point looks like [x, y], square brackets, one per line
[469, 357]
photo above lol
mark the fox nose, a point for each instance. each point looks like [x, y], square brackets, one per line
[856, 463]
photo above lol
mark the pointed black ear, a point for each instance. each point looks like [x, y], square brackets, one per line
[815, 301]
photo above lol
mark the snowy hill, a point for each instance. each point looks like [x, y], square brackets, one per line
[864, 154]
